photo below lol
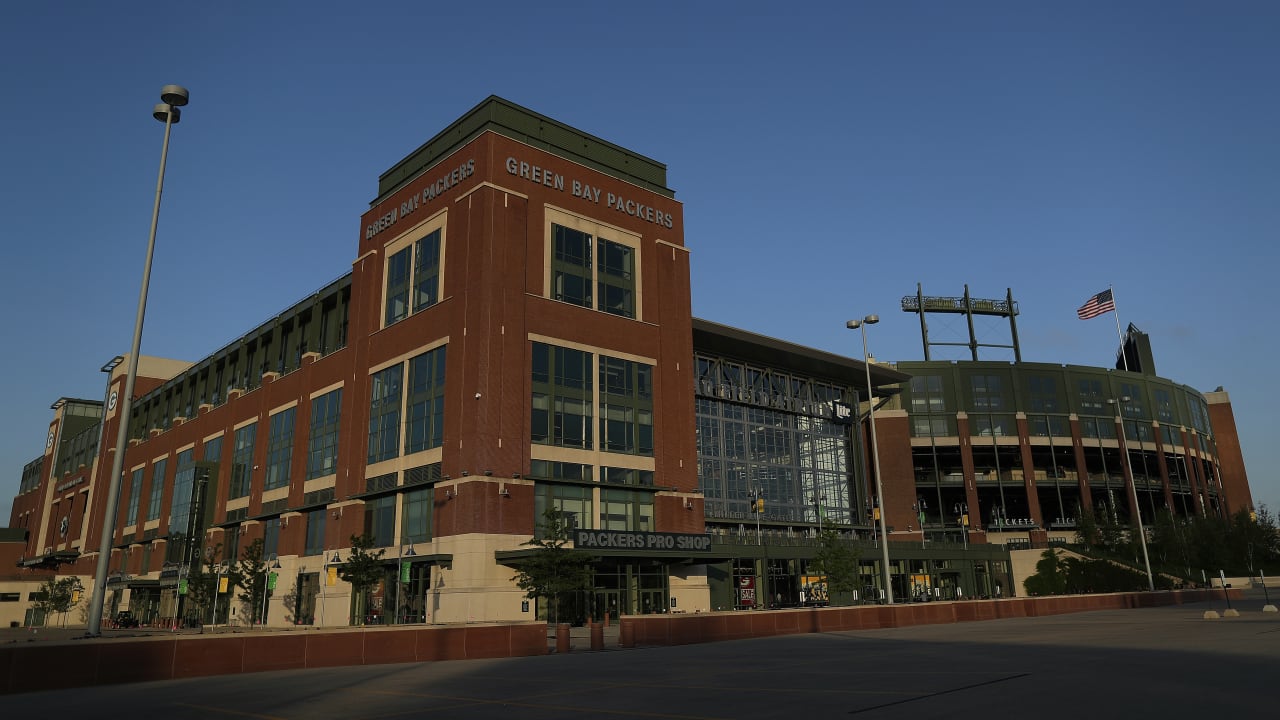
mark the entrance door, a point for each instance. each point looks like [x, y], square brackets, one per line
[608, 604]
[653, 601]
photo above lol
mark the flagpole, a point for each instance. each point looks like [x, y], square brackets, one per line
[1115, 310]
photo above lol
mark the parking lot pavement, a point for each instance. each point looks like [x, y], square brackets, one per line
[1158, 661]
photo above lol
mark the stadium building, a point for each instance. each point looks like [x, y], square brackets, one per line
[514, 338]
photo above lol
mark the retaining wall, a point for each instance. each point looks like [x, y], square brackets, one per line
[683, 629]
[98, 661]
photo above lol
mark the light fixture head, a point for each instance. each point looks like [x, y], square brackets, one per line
[871, 319]
[165, 112]
[174, 95]
[853, 324]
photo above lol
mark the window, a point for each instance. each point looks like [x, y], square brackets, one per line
[626, 510]
[626, 406]
[135, 497]
[571, 502]
[571, 266]
[384, 413]
[926, 394]
[271, 537]
[417, 515]
[242, 461]
[10, 597]
[181, 507]
[626, 476]
[231, 543]
[562, 396]
[322, 450]
[1044, 393]
[315, 532]
[413, 278]
[615, 272]
[1133, 407]
[398, 286]
[987, 394]
[380, 520]
[279, 449]
[157, 489]
[607, 283]
[213, 449]
[426, 271]
[425, 422]
[1090, 394]
[1164, 406]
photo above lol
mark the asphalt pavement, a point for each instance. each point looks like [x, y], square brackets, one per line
[1167, 661]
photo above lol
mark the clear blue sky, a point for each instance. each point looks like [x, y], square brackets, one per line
[829, 157]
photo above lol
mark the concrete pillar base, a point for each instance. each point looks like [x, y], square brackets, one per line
[1211, 615]
[1230, 612]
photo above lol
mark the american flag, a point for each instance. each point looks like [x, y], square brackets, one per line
[1101, 303]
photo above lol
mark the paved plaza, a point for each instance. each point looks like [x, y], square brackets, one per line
[1166, 661]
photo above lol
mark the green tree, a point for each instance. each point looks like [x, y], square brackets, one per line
[1087, 528]
[202, 583]
[837, 561]
[363, 569]
[555, 570]
[249, 573]
[57, 595]
[1050, 577]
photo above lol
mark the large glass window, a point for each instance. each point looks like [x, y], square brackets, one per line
[413, 278]
[380, 520]
[157, 489]
[1090, 396]
[417, 515]
[279, 449]
[987, 392]
[242, 461]
[322, 448]
[571, 266]
[1164, 406]
[384, 413]
[271, 537]
[571, 502]
[615, 272]
[315, 532]
[626, 406]
[926, 394]
[425, 422]
[607, 284]
[426, 271]
[180, 505]
[562, 396]
[398, 266]
[626, 510]
[1044, 394]
[213, 449]
[135, 497]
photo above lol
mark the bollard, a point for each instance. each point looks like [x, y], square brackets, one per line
[562, 638]
[597, 636]
[626, 634]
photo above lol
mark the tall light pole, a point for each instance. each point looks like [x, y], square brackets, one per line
[875, 450]
[1133, 487]
[172, 97]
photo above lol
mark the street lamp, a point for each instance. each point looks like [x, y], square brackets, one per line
[756, 498]
[172, 97]
[222, 566]
[1133, 487]
[267, 567]
[875, 451]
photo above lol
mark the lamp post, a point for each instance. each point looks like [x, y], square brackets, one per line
[336, 559]
[756, 497]
[875, 451]
[1133, 488]
[217, 589]
[267, 567]
[172, 97]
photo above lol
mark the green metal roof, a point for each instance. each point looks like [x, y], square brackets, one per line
[526, 126]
